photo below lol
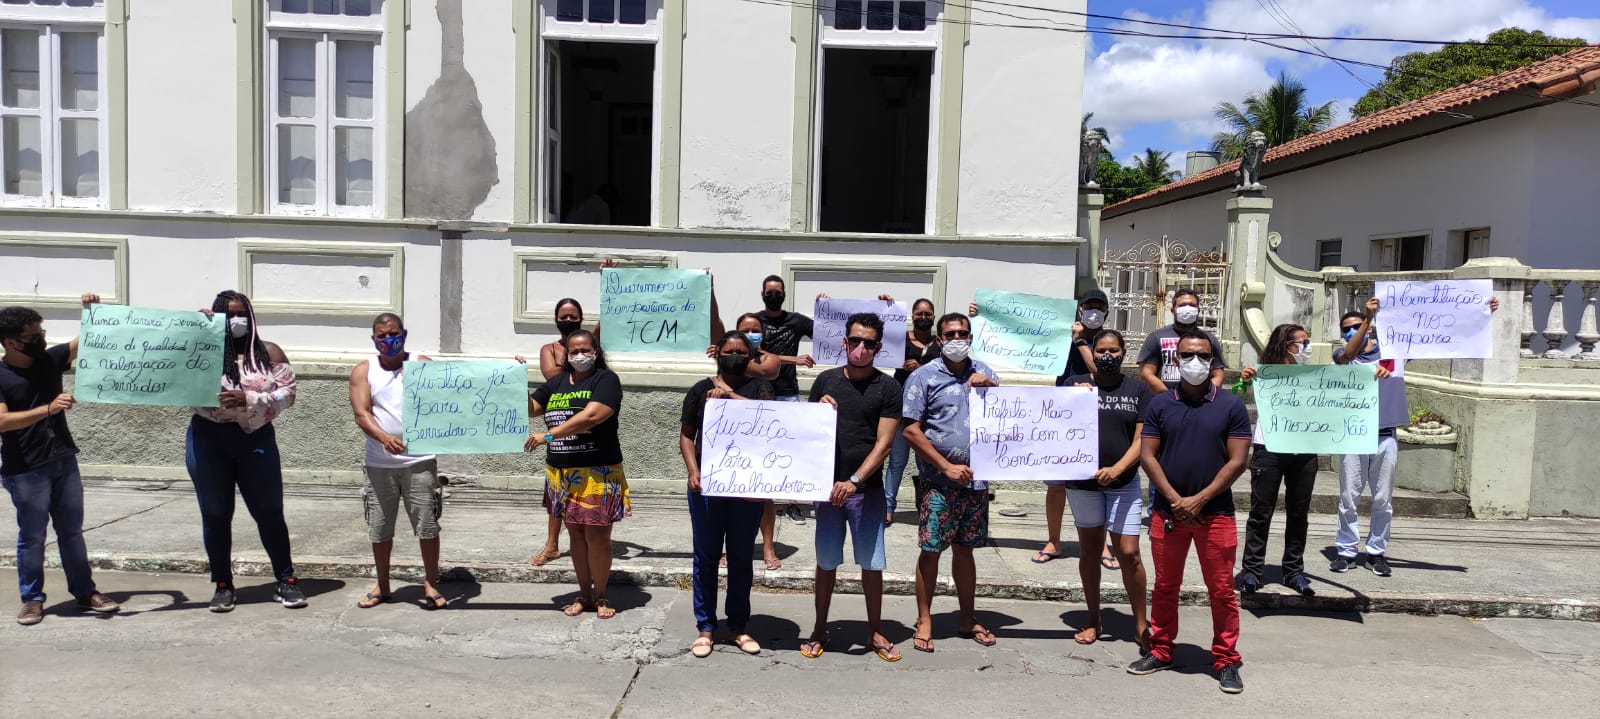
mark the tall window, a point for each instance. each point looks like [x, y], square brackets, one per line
[323, 135]
[52, 103]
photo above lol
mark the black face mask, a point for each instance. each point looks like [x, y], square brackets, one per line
[1107, 363]
[566, 328]
[733, 365]
[922, 325]
[33, 347]
[773, 301]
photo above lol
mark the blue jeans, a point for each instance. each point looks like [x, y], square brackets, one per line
[899, 456]
[719, 522]
[221, 456]
[52, 492]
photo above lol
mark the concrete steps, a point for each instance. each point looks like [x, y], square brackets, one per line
[1407, 502]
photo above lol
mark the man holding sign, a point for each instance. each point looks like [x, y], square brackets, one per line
[39, 463]
[867, 408]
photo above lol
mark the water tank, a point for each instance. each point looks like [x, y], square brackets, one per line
[1200, 161]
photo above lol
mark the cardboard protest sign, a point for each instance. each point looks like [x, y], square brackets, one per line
[655, 310]
[465, 407]
[1435, 319]
[1016, 331]
[1034, 433]
[1317, 409]
[767, 450]
[829, 331]
[141, 355]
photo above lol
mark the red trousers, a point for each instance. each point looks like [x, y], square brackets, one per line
[1216, 540]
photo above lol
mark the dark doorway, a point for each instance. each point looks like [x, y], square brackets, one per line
[873, 174]
[603, 129]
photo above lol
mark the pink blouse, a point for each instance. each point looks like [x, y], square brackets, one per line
[267, 394]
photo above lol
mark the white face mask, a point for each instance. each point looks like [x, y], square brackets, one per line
[581, 363]
[956, 350]
[1195, 371]
[239, 327]
[1187, 314]
[1303, 356]
[1093, 319]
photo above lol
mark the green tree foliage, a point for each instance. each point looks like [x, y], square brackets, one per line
[1419, 74]
[1280, 112]
[1149, 171]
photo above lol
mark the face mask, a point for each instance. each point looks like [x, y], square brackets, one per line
[567, 328]
[238, 327]
[956, 350]
[391, 346]
[860, 356]
[1350, 334]
[1303, 356]
[773, 300]
[33, 347]
[922, 325]
[1195, 371]
[755, 339]
[1093, 319]
[1107, 363]
[581, 363]
[1187, 314]
[733, 365]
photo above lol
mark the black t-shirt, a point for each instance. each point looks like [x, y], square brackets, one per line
[781, 335]
[24, 450]
[562, 398]
[1075, 365]
[1121, 410]
[1161, 349]
[861, 405]
[922, 356]
[694, 403]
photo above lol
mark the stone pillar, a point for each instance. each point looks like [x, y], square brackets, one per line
[1090, 203]
[1246, 248]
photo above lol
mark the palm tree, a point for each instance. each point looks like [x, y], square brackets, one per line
[1280, 112]
[1153, 168]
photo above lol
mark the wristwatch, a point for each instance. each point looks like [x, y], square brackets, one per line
[855, 480]
[548, 437]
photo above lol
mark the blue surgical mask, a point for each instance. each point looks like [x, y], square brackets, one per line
[755, 339]
[391, 346]
[1350, 334]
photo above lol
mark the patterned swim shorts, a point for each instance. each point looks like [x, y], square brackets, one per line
[951, 516]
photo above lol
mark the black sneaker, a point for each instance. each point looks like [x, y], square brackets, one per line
[1342, 564]
[223, 600]
[1248, 584]
[1148, 664]
[1229, 681]
[288, 592]
[793, 512]
[1300, 585]
[1379, 565]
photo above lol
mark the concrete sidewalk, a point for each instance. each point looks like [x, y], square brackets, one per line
[1441, 566]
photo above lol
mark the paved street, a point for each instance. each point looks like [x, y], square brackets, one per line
[504, 650]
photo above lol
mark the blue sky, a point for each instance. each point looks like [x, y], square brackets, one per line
[1159, 93]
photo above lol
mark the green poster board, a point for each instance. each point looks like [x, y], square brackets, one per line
[465, 407]
[655, 310]
[1016, 331]
[142, 355]
[1317, 409]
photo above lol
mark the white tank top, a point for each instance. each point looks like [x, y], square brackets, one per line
[388, 396]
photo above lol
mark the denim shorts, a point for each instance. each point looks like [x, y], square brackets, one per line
[862, 515]
[1119, 510]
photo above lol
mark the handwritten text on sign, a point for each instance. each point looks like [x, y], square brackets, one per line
[1030, 333]
[138, 355]
[1034, 433]
[1317, 409]
[1438, 319]
[827, 346]
[472, 407]
[767, 450]
[655, 310]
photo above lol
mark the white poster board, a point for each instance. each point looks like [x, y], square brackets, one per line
[829, 330]
[767, 450]
[1434, 319]
[1034, 433]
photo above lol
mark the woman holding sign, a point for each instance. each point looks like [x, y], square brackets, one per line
[584, 486]
[921, 348]
[721, 523]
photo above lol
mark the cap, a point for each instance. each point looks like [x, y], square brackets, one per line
[1093, 295]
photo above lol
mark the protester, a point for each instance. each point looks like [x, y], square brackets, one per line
[781, 334]
[39, 461]
[1112, 503]
[585, 486]
[721, 524]
[867, 406]
[954, 508]
[377, 396]
[921, 348]
[1269, 470]
[552, 360]
[1158, 356]
[1195, 442]
[235, 445]
[763, 365]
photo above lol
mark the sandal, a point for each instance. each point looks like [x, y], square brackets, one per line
[431, 602]
[887, 652]
[1094, 637]
[701, 648]
[373, 599]
[544, 557]
[1043, 557]
[813, 647]
[577, 607]
[774, 563]
[747, 644]
[1109, 560]
[921, 643]
[602, 608]
[978, 634]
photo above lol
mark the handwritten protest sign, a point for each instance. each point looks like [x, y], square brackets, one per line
[469, 407]
[827, 344]
[1437, 319]
[1317, 409]
[767, 450]
[1034, 433]
[655, 310]
[1031, 333]
[139, 355]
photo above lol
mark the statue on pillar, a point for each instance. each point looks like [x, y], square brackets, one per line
[1249, 173]
[1091, 147]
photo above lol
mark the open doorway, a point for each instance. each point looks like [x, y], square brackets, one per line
[873, 165]
[598, 126]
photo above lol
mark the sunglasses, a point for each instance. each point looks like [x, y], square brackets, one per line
[1351, 328]
[859, 341]
[1304, 343]
[1203, 356]
[957, 335]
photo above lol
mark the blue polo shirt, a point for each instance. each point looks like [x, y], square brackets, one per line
[1194, 442]
[937, 398]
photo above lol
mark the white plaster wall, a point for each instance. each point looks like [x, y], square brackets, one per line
[182, 107]
[1564, 222]
[491, 58]
[738, 116]
[1022, 100]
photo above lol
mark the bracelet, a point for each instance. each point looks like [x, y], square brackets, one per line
[549, 437]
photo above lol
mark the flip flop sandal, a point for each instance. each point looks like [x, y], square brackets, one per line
[577, 607]
[918, 642]
[701, 648]
[1048, 557]
[603, 609]
[1097, 634]
[372, 600]
[883, 653]
[432, 602]
[1110, 562]
[747, 644]
[821, 646]
[977, 634]
[543, 558]
[774, 564]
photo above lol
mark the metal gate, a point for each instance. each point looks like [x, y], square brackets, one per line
[1140, 281]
